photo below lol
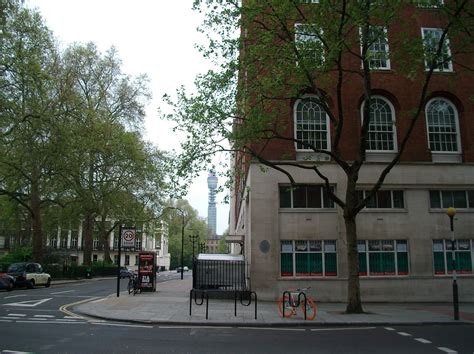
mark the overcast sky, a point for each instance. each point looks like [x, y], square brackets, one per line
[155, 37]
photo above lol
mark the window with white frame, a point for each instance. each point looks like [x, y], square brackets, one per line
[382, 133]
[116, 258]
[431, 42]
[429, 3]
[305, 196]
[95, 258]
[95, 244]
[383, 257]
[136, 260]
[383, 199]
[459, 199]
[378, 50]
[308, 258]
[127, 259]
[74, 239]
[138, 242]
[54, 242]
[311, 125]
[442, 125]
[63, 243]
[309, 45]
[443, 256]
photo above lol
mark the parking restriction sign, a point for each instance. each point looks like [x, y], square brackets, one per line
[128, 238]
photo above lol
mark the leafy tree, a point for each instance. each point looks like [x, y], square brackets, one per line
[29, 105]
[193, 225]
[244, 101]
[104, 160]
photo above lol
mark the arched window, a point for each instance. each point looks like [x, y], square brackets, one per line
[382, 133]
[442, 125]
[311, 125]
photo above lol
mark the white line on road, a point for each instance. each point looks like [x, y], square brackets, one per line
[11, 318]
[390, 329]
[62, 292]
[52, 322]
[10, 297]
[5, 320]
[17, 314]
[192, 327]
[45, 316]
[340, 329]
[29, 303]
[99, 300]
[422, 340]
[404, 334]
[447, 350]
[119, 325]
[275, 329]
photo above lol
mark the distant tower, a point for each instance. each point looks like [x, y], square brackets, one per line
[211, 209]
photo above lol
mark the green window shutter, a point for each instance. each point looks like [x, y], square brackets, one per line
[362, 263]
[286, 264]
[330, 262]
[375, 263]
[316, 264]
[464, 262]
[388, 263]
[439, 266]
[402, 262]
[302, 264]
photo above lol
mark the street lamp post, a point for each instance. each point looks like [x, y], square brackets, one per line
[182, 238]
[194, 239]
[451, 212]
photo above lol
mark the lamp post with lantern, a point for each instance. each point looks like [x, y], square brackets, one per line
[451, 212]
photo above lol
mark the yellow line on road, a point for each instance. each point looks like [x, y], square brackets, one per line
[64, 308]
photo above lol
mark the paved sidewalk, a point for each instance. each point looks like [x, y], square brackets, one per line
[170, 305]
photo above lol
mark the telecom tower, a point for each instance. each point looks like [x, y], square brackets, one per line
[211, 209]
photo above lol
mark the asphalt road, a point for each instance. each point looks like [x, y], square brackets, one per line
[31, 321]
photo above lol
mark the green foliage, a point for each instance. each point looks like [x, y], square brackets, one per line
[21, 254]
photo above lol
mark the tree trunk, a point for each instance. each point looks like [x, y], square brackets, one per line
[104, 235]
[35, 204]
[354, 304]
[87, 236]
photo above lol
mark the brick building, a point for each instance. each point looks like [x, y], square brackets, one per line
[295, 237]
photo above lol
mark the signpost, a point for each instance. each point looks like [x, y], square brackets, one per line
[127, 241]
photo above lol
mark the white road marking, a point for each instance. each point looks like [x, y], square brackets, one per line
[404, 334]
[340, 329]
[43, 323]
[6, 321]
[11, 318]
[422, 340]
[70, 317]
[45, 316]
[29, 303]
[67, 319]
[36, 319]
[99, 300]
[119, 325]
[447, 350]
[275, 329]
[390, 329]
[11, 297]
[192, 327]
[62, 292]
[17, 314]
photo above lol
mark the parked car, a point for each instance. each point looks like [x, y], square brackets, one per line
[29, 274]
[7, 282]
[185, 269]
[125, 272]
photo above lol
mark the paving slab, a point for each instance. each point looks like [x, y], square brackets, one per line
[170, 305]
